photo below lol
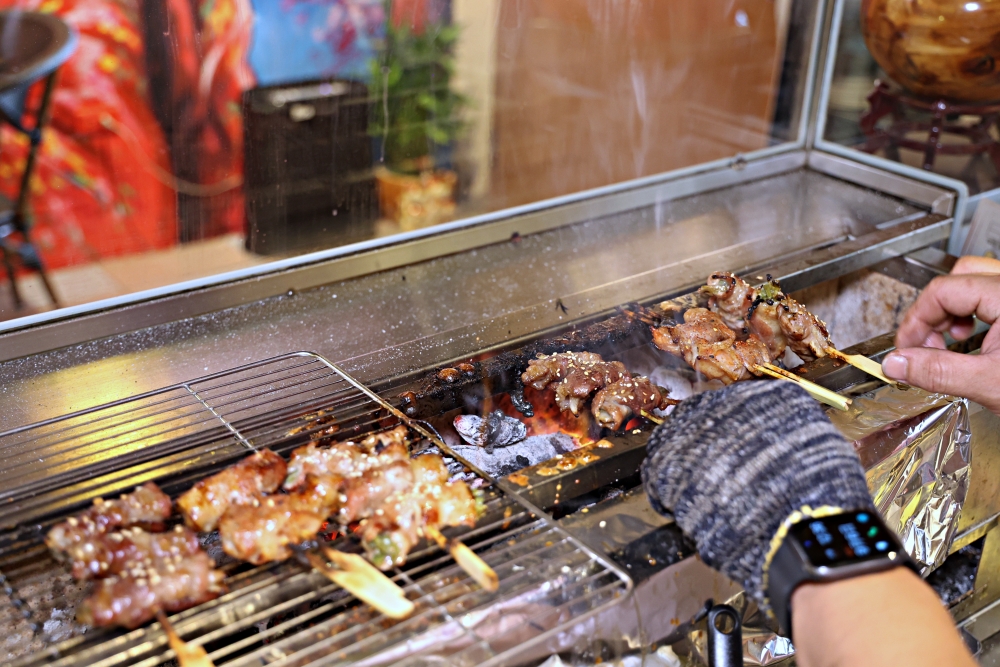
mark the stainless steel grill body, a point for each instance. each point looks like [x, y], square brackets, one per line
[282, 614]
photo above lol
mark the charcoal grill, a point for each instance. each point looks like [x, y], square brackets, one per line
[285, 613]
[603, 575]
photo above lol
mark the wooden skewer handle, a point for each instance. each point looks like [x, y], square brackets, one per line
[865, 364]
[821, 394]
[362, 580]
[187, 655]
[467, 559]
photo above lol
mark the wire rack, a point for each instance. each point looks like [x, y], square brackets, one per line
[281, 614]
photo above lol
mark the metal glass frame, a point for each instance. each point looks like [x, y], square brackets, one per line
[420, 237]
[965, 203]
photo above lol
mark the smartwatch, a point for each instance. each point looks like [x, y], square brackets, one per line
[834, 546]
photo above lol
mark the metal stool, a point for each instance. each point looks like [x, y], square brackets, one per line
[32, 47]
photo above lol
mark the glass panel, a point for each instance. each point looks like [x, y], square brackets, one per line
[916, 83]
[188, 138]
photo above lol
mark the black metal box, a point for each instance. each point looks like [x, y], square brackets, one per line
[307, 166]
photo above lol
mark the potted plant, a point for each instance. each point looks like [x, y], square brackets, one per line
[415, 116]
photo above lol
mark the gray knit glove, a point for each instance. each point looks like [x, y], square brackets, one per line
[732, 465]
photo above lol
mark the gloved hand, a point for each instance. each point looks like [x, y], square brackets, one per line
[732, 465]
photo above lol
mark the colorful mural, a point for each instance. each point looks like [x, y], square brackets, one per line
[316, 39]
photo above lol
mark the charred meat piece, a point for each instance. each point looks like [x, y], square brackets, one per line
[171, 584]
[112, 553]
[389, 535]
[265, 529]
[390, 532]
[345, 459]
[205, 503]
[730, 297]
[710, 347]
[748, 310]
[614, 404]
[265, 532]
[807, 334]
[147, 507]
[363, 495]
[576, 375]
[342, 458]
[375, 442]
[763, 318]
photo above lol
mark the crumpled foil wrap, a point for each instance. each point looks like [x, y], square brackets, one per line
[916, 449]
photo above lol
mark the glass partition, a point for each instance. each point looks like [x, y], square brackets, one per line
[915, 83]
[190, 139]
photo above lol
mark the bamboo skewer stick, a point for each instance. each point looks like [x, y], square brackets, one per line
[187, 655]
[467, 559]
[865, 364]
[650, 417]
[362, 580]
[821, 394]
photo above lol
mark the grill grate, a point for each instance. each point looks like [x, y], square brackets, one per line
[280, 614]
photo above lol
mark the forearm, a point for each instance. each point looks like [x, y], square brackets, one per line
[889, 618]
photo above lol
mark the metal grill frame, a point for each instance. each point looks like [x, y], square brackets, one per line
[249, 408]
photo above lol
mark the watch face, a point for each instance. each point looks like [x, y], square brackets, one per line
[844, 538]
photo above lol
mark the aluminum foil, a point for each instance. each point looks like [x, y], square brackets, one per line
[916, 448]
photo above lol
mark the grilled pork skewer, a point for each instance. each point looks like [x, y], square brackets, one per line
[576, 375]
[147, 506]
[205, 503]
[710, 347]
[110, 554]
[169, 584]
[614, 404]
[803, 332]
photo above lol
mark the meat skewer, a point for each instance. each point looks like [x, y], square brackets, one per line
[375, 482]
[614, 404]
[205, 503]
[109, 554]
[170, 584]
[779, 320]
[710, 347]
[576, 376]
[147, 507]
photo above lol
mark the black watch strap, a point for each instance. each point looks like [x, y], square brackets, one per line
[793, 564]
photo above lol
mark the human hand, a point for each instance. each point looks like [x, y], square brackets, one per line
[732, 465]
[948, 304]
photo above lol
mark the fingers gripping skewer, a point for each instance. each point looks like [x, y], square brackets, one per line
[821, 394]
[361, 579]
[467, 559]
[187, 655]
[865, 364]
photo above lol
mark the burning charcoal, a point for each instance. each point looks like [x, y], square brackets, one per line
[497, 430]
[522, 404]
[530, 451]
